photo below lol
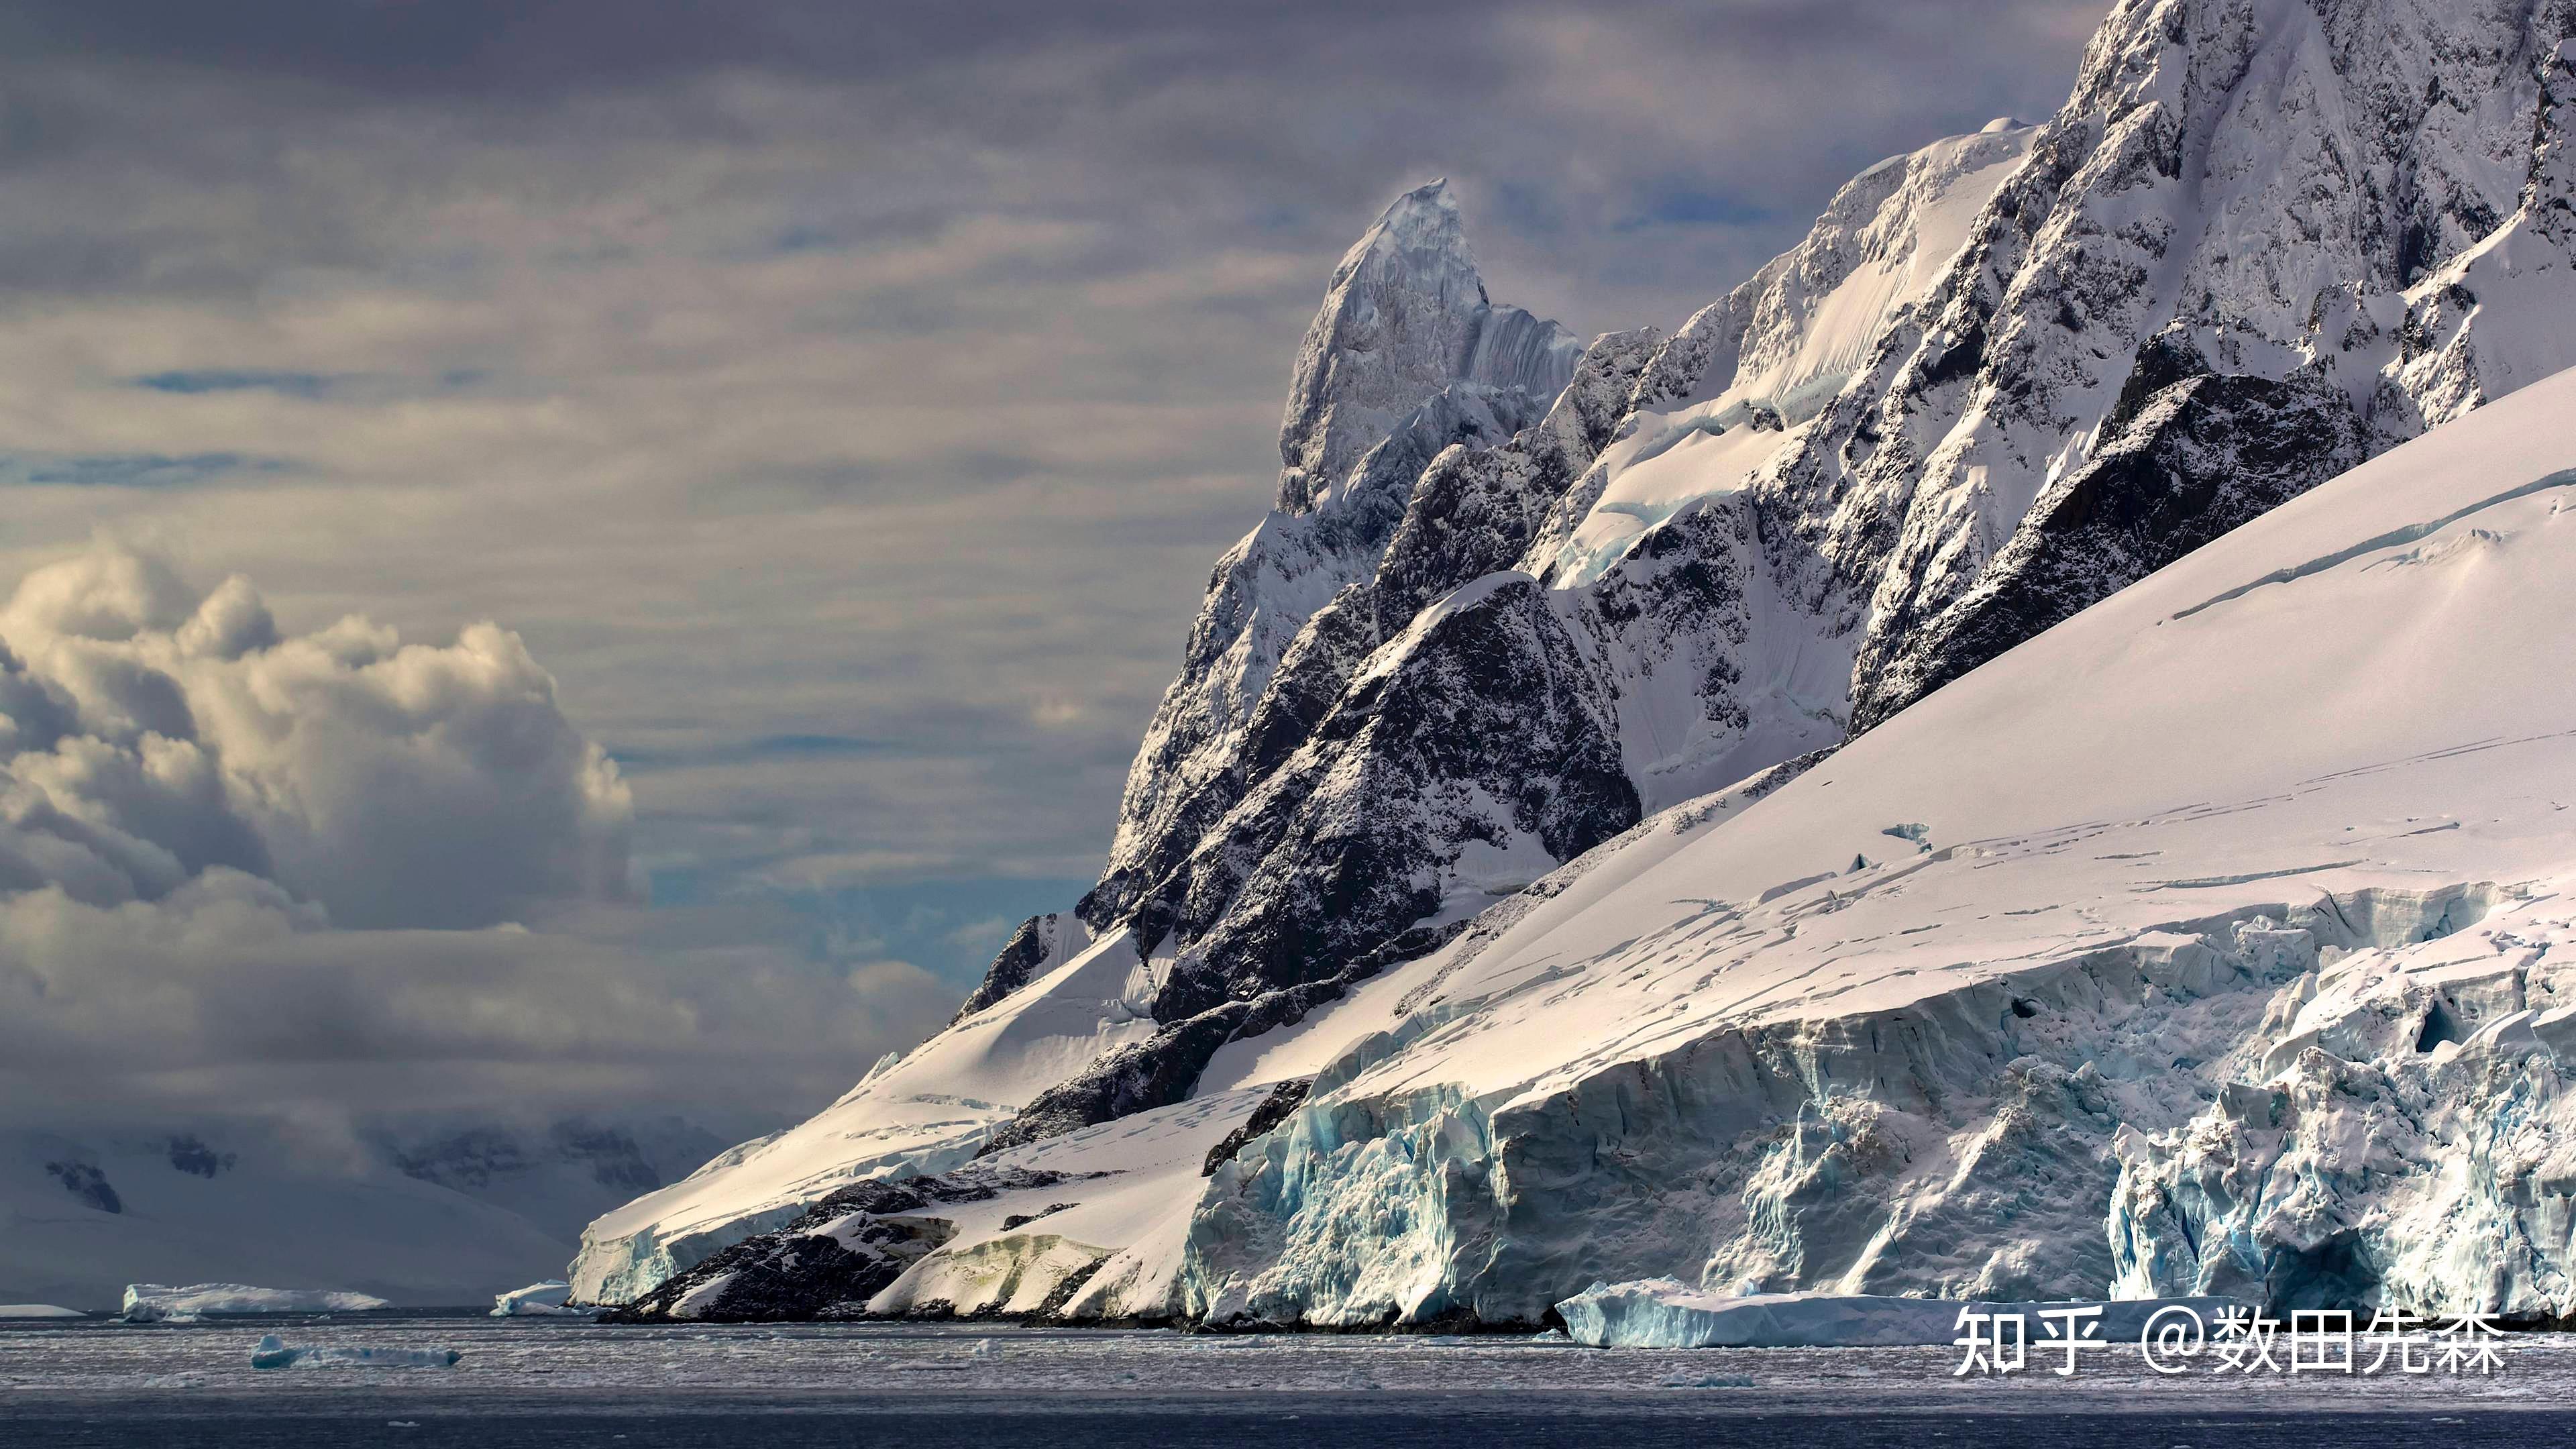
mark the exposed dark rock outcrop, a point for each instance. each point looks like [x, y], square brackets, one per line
[1039, 940]
[832, 1258]
[87, 1184]
[1285, 1098]
[2195, 458]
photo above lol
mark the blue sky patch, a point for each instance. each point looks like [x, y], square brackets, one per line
[132, 470]
[227, 379]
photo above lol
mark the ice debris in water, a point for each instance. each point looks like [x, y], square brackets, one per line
[984, 1349]
[549, 1299]
[275, 1353]
[1665, 1313]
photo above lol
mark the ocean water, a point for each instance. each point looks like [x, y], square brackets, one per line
[994, 1387]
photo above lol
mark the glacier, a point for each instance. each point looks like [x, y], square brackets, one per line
[1864, 793]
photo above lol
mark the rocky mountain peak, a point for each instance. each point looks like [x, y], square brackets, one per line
[1405, 318]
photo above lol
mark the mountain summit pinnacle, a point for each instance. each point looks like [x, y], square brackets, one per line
[1405, 317]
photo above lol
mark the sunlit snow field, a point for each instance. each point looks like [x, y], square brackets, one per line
[97, 1382]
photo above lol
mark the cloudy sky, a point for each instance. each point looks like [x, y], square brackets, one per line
[840, 403]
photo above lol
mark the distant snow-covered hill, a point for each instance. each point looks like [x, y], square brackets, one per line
[1466, 873]
[418, 1215]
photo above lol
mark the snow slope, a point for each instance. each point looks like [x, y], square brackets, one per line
[419, 1217]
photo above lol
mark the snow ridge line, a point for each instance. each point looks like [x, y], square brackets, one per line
[2394, 538]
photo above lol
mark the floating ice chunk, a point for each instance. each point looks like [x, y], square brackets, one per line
[550, 1299]
[275, 1353]
[1667, 1313]
[983, 1349]
[38, 1310]
[161, 1303]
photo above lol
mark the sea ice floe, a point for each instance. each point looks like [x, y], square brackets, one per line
[550, 1299]
[275, 1353]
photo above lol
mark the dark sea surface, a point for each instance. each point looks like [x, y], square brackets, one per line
[541, 1382]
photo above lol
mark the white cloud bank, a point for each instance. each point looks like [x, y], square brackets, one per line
[159, 743]
[335, 866]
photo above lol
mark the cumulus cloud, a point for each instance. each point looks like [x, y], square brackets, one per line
[153, 736]
[230, 855]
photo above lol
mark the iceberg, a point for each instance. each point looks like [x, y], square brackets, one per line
[1668, 1313]
[275, 1353]
[38, 1310]
[539, 1300]
[161, 1303]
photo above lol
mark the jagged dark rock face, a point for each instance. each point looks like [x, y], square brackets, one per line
[479, 1157]
[1285, 1098]
[88, 1186]
[1474, 511]
[2195, 458]
[832, 1258]
[1038, 940]
[1165, 1068]
[1451, 495]
[1321, 876]
[190, 1154]
[1343, 849]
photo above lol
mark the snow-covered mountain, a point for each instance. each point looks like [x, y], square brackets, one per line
[1453, 882]
[443, 1215]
